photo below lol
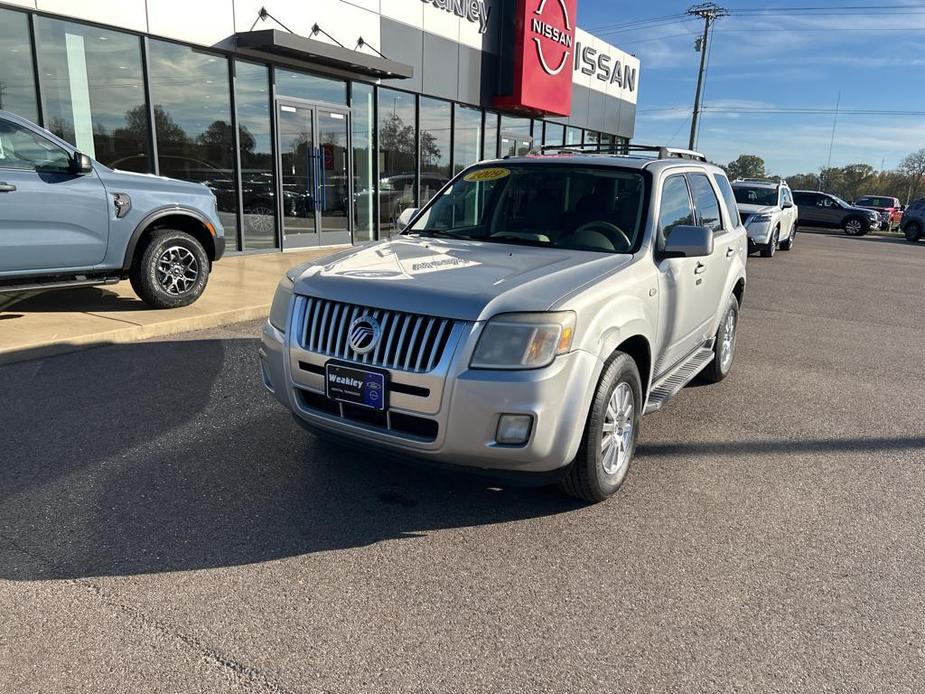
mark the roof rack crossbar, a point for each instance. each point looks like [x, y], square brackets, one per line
[668, 152]
[592, 147]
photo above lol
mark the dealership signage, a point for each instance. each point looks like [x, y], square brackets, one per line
[476, 11]
[544, 51]
[604, 67]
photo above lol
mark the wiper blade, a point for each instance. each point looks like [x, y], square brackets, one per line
[435, 233]
[516, 240]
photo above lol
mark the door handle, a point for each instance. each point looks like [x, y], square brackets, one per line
[6, 187]
[730, 252]
[699, 269]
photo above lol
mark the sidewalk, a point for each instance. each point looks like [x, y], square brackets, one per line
[240, 288]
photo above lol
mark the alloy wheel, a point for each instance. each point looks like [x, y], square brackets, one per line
[617, 434]
[853, 227]
[177, 270]
[728, 344]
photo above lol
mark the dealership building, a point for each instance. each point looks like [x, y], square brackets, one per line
[315, 122]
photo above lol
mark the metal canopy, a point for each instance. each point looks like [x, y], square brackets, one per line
[282, 43]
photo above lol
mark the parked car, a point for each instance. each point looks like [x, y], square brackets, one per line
[889, 209]
[913, 224]
[524, 320]
[825, 210]
[67, 220]
[768, 213]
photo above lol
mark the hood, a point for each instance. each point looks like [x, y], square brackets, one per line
[874, 207]
[758, 209]
[133, 180]
[464, 280]
[868, 210]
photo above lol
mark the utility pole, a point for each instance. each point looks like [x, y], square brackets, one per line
[709, 12]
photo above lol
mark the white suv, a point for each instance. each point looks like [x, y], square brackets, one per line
[524, 320]
[768, 213]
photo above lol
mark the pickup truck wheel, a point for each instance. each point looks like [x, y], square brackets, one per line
[611, 430]
[768, 250]
[855, 226]
[912, 232]
[171, 271]
[724, 346]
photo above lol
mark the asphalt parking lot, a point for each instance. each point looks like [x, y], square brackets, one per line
[166, 527]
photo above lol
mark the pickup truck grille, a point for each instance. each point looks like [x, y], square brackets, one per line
[408, 341]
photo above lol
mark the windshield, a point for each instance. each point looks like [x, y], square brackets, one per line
[876, 202]
[562, 206]
[755, 195]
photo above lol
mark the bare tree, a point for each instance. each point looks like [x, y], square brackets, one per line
[913, 166]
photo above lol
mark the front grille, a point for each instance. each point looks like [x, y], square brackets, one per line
[392, 422]
[408, 342]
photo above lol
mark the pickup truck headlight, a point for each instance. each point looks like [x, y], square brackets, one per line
[524, 340]
[279, 309]
[759, 218]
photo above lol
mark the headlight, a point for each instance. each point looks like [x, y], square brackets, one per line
[760, 218]
[279, 309]
[524, 340]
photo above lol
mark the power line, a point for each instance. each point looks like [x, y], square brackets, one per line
[709, 12]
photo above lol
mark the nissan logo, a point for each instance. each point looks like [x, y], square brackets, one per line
[555, 34]
[364, 334]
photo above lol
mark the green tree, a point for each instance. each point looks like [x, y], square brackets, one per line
[746, 166]
[856, 178]
[913, 167]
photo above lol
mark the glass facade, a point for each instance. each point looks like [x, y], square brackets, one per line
[434, 119]
[17, 81]
[467, 137]
[362, 114]
[93, 90]
[255, 144]
[397, 156]
[138, 103]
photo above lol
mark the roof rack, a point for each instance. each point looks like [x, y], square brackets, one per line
[668, 152]
[762, 179]
[621, 148]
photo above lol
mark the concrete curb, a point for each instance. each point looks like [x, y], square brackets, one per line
[132, 333]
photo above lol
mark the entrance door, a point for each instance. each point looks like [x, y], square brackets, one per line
[316, 186]
[515, 145]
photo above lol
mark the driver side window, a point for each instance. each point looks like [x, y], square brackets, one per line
[674, 206]
[20, 148]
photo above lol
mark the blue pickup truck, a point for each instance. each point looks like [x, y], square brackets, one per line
[67, 220]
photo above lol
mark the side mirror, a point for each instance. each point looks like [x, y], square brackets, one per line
[786, 205]
[81, 164]
[688, 242]
[404, 219]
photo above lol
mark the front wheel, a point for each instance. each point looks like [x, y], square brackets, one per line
[171, 271]
[788, 244]
[770, 249]
[724, 345]
[912, 232]
[610, 435]
[855, 226]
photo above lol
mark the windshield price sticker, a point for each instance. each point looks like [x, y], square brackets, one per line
[483, 175]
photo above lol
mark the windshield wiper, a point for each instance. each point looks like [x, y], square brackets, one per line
[517, 240]
[435, 233]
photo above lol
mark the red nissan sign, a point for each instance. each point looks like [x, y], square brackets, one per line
[544, 48]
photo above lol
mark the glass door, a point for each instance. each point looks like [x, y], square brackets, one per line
[315, 185]
[515, 145]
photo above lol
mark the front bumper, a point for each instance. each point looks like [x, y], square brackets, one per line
[759, 233]
[464, 406]
[219, 243]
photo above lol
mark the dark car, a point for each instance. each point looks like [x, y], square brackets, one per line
[889, 209]
[913, 224]
[826, 210]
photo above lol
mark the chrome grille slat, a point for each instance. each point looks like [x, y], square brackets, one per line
[408, 341]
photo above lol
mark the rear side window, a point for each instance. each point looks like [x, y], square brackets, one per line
[706, 202]
[804, 198]
[729, 197]
[675, 205]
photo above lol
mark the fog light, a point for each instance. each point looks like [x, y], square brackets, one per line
[514, 429]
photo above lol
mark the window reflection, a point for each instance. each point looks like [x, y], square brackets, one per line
[491, 136]
[192, 117]
[573, 136]
[17, 82]
[515, 136]
[361, 113]
[553, 134]
[94, 91]
[301, 85]
[258, 184]
[397, 156]
[467, 137]
[435, 122]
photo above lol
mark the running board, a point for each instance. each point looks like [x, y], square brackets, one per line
[672, 384]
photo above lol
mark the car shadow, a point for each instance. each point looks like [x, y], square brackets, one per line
[168, 456]
[76, 299]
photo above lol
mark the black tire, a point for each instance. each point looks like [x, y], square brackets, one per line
[788, 244]
[585, 477]
[770, 248]
[719, 368]
[912, 232]
[161, 290]
[852, 229]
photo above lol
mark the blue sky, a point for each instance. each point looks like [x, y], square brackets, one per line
[773, 60]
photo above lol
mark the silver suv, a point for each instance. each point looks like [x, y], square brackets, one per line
[768, 213]
[524, 320]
